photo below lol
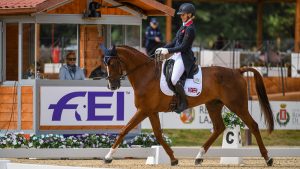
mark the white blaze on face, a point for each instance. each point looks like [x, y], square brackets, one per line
[107, 70]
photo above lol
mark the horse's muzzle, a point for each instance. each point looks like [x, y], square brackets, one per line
[113, 88]
[114, 85]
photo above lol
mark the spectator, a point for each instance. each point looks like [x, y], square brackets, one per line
[30, 73]
[99, 72]
[238, 45]
[70, 71]
[153, 37]
[56, 54]
[219, 43]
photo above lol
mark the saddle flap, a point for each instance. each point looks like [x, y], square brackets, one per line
[168, 70]
[192, 87]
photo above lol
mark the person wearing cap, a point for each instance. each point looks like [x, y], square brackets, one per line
[181, 52]
[153, 37]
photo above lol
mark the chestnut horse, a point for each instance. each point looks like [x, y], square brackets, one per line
[221, 86]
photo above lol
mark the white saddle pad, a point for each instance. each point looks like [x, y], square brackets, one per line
[192, 87]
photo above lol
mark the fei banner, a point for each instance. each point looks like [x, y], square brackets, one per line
[97, 107]
[286, 116]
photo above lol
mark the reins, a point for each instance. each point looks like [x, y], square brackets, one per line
[157, 59]
[122, 77]
[134, 69]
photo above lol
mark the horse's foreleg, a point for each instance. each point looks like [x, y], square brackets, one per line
[154, 119]
[135, 120]
[214, 109]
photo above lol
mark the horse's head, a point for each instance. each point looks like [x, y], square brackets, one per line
[114, 69]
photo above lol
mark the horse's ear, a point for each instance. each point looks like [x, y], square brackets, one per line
[113, 50]
[103, 48]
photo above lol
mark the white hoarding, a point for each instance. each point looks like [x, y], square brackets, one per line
[286, 116]
[270, 71]
[220, 58]
[85, 106]
[295, 59]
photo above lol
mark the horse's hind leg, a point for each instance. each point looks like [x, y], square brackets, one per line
[214, 109]
[135, 120]
[242, 111]
[154, 119]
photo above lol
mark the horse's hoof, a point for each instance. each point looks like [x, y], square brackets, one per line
[174, 162]
[198, 161]
[107, 161]
[270, 162]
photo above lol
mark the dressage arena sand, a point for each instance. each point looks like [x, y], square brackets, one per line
[211, 163]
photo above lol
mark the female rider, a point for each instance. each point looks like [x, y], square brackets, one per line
[181, 48]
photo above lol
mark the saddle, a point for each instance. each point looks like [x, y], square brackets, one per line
[168, 71]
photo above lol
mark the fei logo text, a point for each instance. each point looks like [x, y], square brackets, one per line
[90, 107]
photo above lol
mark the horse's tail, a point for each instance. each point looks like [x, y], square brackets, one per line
[262, 97]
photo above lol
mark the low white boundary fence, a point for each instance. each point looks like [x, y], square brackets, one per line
[179, 152]
[9, 165]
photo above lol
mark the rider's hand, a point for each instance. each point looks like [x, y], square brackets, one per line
[158, 50]
[157, 39]
[163, 51]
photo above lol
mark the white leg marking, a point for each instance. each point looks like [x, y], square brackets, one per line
[201, 153]
[110, 153]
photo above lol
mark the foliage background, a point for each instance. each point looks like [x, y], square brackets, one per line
[195, 137]
[237, 21]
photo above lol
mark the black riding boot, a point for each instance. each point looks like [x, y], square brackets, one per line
[182, 102]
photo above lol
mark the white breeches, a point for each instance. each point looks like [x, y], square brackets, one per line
[178, 68]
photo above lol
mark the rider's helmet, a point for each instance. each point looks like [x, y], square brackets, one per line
[186, 8]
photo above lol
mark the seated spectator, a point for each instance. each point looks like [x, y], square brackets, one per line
[70, 71]
[30, 73]
[98, 73]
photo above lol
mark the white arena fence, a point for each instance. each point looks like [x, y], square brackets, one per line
[8, 165]
[179, 152]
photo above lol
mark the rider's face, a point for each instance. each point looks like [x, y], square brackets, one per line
[184, 17]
